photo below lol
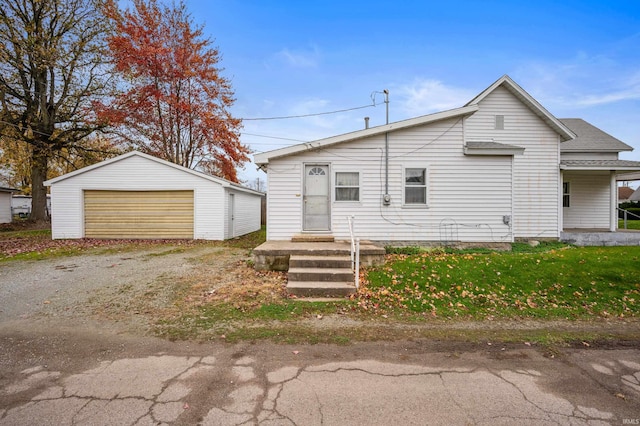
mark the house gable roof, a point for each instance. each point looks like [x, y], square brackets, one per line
[590, 139]
[528, 100]
[263, 158]
[471, 107]
[223, 182]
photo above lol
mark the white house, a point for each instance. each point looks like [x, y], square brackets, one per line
[5, 204]
[136, 195]
[498, 169]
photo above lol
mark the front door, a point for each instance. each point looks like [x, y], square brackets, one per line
[316, 198]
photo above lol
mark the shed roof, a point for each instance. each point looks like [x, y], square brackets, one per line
[5, 189]
[589, 138]
[491, 148]
[223, 182]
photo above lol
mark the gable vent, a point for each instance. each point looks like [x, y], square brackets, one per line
[499, 122]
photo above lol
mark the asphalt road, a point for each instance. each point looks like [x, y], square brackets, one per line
[88, 377]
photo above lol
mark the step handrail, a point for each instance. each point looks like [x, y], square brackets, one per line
[625, 213]
[355, 251]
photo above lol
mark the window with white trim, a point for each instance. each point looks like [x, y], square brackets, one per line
[347, 186]
[415, 186]
[566, 194]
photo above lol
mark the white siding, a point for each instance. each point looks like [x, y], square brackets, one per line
[5, 207]
[536, 172]
[136, 173]
[472, 193]
[247, 211]
[590, 194]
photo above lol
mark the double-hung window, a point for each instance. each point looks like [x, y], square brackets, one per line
[347, 186]
[415, 186]
[566, 194]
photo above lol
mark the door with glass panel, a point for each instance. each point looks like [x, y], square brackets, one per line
[316, 207]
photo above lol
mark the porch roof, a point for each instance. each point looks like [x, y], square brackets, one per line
[612, 165]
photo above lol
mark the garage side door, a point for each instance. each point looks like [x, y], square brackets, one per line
[138, 214]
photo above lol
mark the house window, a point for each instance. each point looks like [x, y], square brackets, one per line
[566, 194]
[415, 186]
[347, 186]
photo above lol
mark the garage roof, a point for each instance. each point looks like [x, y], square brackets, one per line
[224, 182]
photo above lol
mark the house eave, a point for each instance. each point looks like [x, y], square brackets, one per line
[604, 165]
[264, 157]
[594, 151]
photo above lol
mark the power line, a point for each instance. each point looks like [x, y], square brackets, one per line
[310, 115]
[273, 137]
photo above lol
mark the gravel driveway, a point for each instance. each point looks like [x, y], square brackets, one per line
[66, 287]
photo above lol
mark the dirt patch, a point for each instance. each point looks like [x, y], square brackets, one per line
[118, 286]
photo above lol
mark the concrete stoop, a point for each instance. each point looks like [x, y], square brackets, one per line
[275, 255]
[320, 276]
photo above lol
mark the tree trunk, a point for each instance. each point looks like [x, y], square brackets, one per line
[39, 168]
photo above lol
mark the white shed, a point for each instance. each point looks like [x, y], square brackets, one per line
[5, 204]
[140, 196]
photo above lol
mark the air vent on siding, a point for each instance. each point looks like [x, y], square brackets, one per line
[499, 122]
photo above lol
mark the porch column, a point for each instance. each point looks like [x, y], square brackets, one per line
[560, 204]
[613, 225]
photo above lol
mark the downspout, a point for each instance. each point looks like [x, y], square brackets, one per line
[386, 198]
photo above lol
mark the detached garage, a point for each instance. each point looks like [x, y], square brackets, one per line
[136, 195]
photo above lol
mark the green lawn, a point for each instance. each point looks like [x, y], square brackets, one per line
[561, 283]
[631, 224]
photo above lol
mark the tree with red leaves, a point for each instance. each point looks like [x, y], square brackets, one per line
[173, 102]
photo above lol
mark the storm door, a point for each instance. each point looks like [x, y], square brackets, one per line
[316, 207]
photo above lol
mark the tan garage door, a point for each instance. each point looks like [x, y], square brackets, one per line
[138, 214]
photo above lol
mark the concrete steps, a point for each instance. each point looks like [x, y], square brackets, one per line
[320, 275]
[328, 261]
[321, 289]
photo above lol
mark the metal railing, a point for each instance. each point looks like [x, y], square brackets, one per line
[355, 251]
[625, 214]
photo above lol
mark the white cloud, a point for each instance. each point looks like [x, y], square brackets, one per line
[580, 82]
[300, 59]
[426, 96]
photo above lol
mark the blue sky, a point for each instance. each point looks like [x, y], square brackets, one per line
[577, 58]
